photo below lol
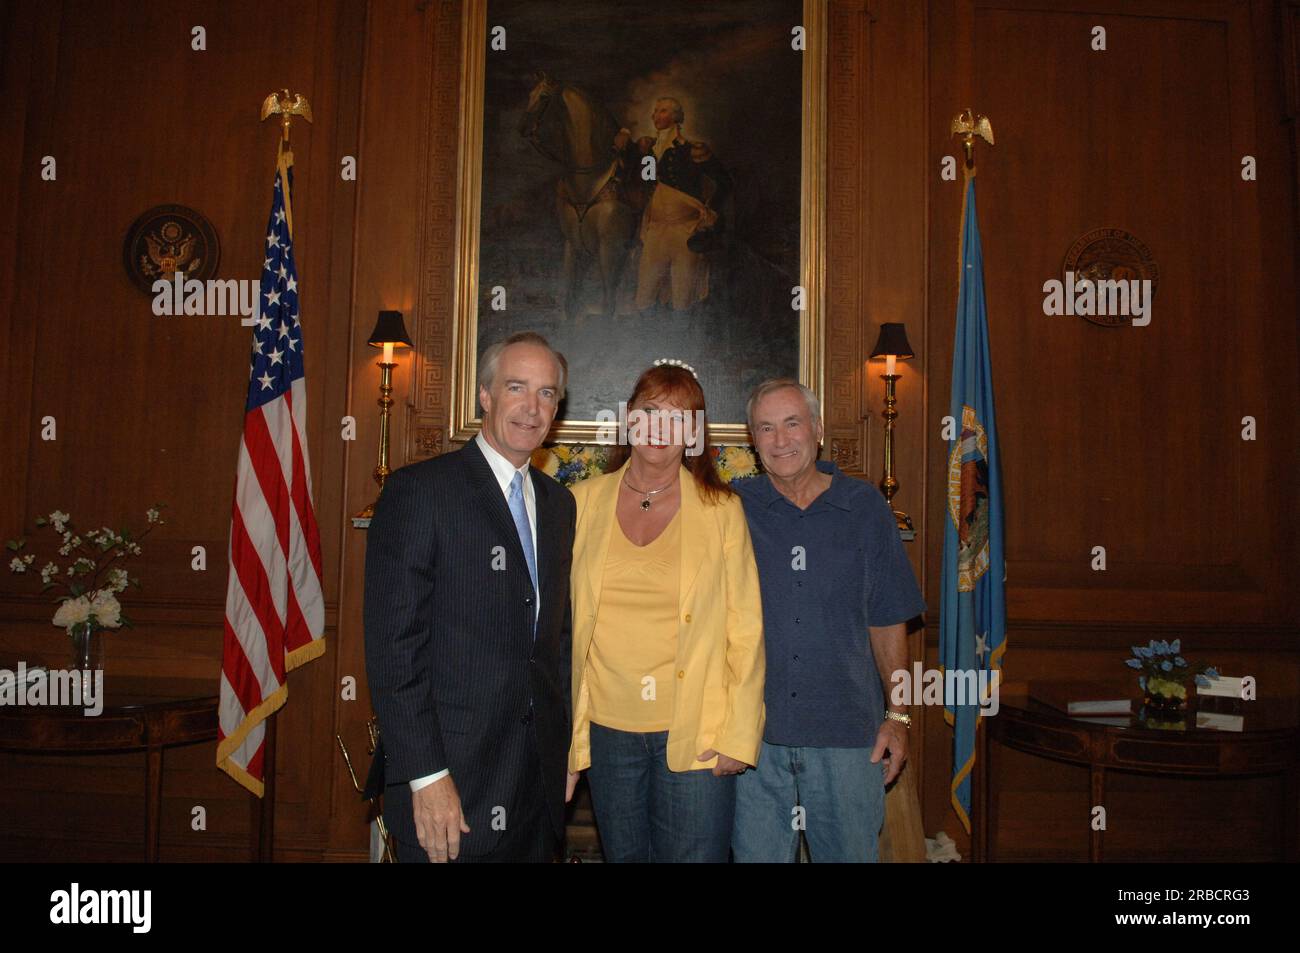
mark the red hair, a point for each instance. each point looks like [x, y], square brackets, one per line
[678, 385]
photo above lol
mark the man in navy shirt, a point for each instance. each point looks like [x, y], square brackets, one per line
[837, 594]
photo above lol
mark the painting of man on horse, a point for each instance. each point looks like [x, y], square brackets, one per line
[640, 190]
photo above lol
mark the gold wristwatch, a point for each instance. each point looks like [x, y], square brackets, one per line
[904, 720]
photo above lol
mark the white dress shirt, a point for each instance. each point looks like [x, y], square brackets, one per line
[505, 472]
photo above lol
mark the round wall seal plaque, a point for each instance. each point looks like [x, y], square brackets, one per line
[167, 239]
[1109, 254]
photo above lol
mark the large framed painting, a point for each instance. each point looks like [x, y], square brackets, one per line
[641, 181]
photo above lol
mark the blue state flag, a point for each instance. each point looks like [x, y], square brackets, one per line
[973, 610]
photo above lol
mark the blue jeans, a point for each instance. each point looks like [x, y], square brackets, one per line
[842, 796]
[648, 814]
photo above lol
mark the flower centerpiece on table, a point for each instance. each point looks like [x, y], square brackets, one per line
[1166, 676]
[93, 577]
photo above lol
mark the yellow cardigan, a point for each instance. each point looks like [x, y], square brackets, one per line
[720, 663]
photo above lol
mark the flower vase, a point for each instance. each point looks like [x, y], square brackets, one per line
[1164, 696]
[87, 654]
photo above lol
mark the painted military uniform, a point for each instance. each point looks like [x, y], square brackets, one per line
[690, 184]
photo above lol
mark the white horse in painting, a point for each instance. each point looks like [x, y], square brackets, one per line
[570, 128]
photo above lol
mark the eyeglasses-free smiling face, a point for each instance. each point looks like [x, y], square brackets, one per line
[784, 435]
[519, 407]
[658, 429]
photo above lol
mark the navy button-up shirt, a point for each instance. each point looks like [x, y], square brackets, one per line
[826, 573]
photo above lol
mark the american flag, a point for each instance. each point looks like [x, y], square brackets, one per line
[275, 611]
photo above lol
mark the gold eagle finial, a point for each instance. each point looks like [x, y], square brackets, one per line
[286, 106]
[968, 126]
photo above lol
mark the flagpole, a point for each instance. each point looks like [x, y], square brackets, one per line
[286, 107]
[963, 622]
[263, 808]
[967, 125]
[247, 703]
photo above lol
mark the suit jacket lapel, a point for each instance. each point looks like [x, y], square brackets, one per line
[694, 513]
[544, 544]
[493, 502]
[603, 522]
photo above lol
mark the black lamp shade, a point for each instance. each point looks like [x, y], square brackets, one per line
[893, 340]
[390, 329]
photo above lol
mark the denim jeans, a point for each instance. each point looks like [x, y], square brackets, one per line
[842, 796]
[648, 814]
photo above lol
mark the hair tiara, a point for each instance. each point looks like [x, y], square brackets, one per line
[674, 362]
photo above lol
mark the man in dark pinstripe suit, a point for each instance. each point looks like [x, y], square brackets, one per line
[467, 629]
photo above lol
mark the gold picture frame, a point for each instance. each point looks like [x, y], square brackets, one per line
[465, 421]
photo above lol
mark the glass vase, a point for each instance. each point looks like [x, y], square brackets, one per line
[87, 655]
[87, 659]
[1164, 696]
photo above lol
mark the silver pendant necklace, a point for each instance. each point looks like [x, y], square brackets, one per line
[645, 503]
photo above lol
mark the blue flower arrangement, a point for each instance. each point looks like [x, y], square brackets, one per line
[1166, 674]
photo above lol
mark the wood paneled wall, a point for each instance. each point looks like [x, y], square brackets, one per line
[150, 408]
[1124, 438]
[1127, 438]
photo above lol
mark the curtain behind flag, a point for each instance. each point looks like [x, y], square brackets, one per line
[973, 627]
[275, 612]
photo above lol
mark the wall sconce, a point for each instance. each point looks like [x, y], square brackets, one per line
[390, 332]
[892, 346]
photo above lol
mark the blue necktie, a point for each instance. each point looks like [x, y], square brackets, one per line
[520, 513]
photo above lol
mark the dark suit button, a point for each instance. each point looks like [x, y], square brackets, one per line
[528, 600]
[527, 719]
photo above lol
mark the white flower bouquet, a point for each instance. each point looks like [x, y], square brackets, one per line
[93, 577]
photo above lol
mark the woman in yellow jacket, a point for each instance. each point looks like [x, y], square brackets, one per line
[667, 636]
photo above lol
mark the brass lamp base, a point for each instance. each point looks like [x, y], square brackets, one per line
[361, 520]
